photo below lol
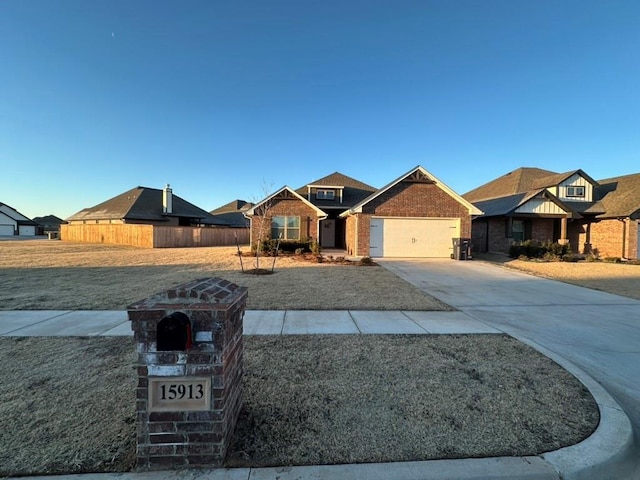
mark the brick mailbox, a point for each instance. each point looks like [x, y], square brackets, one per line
[189, 345]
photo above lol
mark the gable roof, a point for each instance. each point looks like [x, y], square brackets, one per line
[142, 203]
[232, 214]
[15, 215]
[507, 205]
[558, 178]
[233, 206]
[286, 190]
[473, 210]
[518, 181]
[620, 196]
[353, 190]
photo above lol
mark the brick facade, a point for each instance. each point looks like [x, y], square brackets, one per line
[411, 199]
[171, 439]
[286, 207]
[609, 238]
[604, 238]
[415, 195]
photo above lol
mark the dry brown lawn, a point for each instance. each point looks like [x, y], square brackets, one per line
[54, 275]
[307, 400]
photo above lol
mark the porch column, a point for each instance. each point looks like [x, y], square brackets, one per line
[563, 231]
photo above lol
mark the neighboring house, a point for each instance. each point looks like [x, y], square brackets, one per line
[13, 222]
[148, 217]
[416, 215]
[599, 217]
[48, 224]
[143, 205]
[232, 214]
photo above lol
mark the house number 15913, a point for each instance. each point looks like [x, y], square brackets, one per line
[180, 391]
[175, 394]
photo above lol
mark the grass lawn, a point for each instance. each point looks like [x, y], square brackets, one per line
[307, 399]
[54, 275]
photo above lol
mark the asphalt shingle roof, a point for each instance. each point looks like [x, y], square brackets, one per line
[518, 181]
[354, 190]
[620, 196]
[142, 203]
[613, 197]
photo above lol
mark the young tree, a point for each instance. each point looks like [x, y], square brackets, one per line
[262, 215]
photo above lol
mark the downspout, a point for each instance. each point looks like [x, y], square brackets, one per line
[250, 218]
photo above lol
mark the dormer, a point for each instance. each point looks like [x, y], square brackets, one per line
[325, 193]
[574, 187]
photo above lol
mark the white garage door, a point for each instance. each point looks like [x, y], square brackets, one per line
[27, 230]
[413, 237]
[6, 229]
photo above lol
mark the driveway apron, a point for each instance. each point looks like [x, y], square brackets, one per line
[597, 331]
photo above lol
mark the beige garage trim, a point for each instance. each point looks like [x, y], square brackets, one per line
[413, 237]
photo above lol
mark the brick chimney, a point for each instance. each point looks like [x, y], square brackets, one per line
[167, 199]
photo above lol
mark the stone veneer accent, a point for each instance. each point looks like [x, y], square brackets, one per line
[190, 439]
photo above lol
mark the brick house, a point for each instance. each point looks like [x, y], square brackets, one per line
[416, 215]
[598, 217]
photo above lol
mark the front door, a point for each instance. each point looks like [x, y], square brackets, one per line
[328, 233]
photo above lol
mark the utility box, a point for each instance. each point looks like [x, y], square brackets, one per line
[189, 394]
[461, 249]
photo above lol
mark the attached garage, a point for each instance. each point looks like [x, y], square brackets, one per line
[416, 215]
[6, 230]
[27, 230]
[413, 237]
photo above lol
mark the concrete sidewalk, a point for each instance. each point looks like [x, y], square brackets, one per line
[605, 454]
[65, 323]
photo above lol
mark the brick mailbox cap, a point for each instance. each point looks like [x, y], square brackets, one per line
[204, 293]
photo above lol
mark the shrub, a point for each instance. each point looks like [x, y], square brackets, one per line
[547, 251]
[570, 257]
[366, 261]
[287, 246]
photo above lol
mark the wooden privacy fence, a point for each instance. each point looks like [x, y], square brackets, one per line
[154, 236]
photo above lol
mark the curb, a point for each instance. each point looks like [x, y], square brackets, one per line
[610, 451]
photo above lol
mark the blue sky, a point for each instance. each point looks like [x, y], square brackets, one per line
[222, 99]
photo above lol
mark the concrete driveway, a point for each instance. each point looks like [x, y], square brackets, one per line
[599, 332]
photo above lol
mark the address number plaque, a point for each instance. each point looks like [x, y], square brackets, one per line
[179, 393]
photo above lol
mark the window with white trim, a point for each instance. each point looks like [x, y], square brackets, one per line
[575, 191]
[285, 228]
[322, 194]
